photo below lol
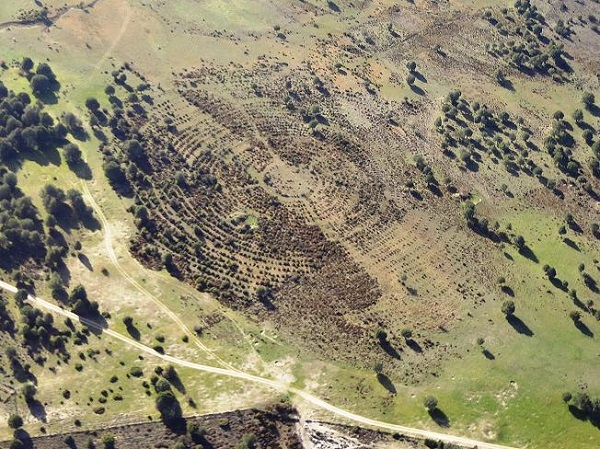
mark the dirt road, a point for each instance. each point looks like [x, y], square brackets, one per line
[311, 399]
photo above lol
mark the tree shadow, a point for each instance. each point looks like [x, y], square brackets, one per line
[507, 290]
[21, 374]
[333, 6]
[439, 417]
[176, 425]
[200, 439]
[79, 133]
[578, 414]
[575, 227]
[519, 325]
[472, 166]
[507, 84]
[24, 437]
[558, 284]
[416, 195]
[417, 90]
[134, 332]
[418, 75]
[488, 355]
[95, 324]
[85, 261]
[99, 134]
[37, 409]
[526, 252]
[594, 110]
[412, 344]
[435, 190]
[176, 382]
[90, 222]
[584, 329]
[591, 283]
[571, 244]
[389, 349]
[82, 170]
[386, 382]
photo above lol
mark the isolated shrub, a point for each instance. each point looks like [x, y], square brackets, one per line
[15, 421]
[108, 441]
[430, 402]
[136, 371]
[92, 104]
[588, 100]
[508, 308]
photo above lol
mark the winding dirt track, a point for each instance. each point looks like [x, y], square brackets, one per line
[226, 369]
[115, 261]
[408, 431]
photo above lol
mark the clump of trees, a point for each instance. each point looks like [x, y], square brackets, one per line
[81, 304]
[528, 50]
[583, 406]
[66, 208]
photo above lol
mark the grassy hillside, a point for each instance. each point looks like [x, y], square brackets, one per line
[341, 195]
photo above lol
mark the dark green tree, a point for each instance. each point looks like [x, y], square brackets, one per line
[72, 154]
[588, 100]
[26, 64]
[45, 70]
[40, 84]
[92, 104]
[430, 403]
[508, 308]
[15, 421]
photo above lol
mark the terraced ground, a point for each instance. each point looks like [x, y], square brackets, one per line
[342, 173]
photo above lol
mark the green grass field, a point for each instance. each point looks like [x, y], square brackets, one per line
[511, 396]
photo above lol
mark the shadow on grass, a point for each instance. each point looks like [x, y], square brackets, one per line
[24, 437]
[389, 349]
[85, 261]
[584, 329]
[571, 244]
[528, 254]
[417, 90]
[488, 355]
[412, 344]
[519, 325]
[134, 332]
[439, 417]
[37, 409]
[507, 290]
[386, 382]
[82, 170]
